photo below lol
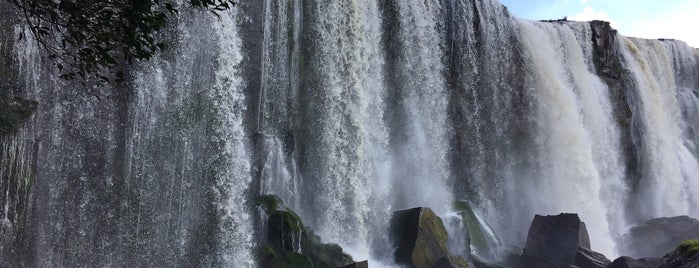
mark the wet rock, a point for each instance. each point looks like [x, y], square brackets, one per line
[451, 262]
[556, 239]
[587, 258]
[361, 264]
[685, 256]
[289, 243]
[628, 262]
[325, 255]
[419, 237]
[656, 237]
[560, 241]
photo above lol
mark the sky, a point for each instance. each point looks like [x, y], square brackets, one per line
[675, 19]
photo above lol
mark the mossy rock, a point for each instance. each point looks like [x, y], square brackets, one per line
[326, 255]
[269, 203]
[14, 112]
[451, 262]
[419, 237]
[290, 244]
[268, 258]
[690, 246]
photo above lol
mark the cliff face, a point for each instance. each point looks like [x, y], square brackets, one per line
[347, 112]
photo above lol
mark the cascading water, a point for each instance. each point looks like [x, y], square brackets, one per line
[348, 111]
[667, 176]
[571, 103]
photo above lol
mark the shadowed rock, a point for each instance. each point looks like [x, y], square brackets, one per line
[560, 241]
[665, 234]
[685, 256]
[628, 262]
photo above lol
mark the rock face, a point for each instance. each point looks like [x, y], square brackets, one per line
[560, 241]
[14, 112]
[665, 234]
[419, 237]
[685, 256]
[628, 262]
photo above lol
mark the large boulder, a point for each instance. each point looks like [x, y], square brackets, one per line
[560, 241]
[656, 237]
[288, 243]
[361, 264]
[419, 237]
[628, 262]
[685, 256]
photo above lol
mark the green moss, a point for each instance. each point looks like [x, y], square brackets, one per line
[269, 203]
[269, 258]
[294, 260]
[691, 246]
[291, 219]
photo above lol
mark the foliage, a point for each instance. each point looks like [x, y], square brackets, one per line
[85, 38]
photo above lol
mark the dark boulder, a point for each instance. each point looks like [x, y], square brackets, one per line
[587, 258]
[656, 237]
[361, 264]
[628, 262]
[419, 237]
[685, 256]
[451, 262]
[556, 239]
[560, 241]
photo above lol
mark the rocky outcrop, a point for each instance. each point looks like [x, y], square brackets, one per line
[560, 241]
[608, 60]
[451, 262]
[419, 237]
[288, 243]
[665, 234]
[361, 264]
[685, 256]
[628, 262]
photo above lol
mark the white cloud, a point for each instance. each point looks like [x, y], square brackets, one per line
[582, 2]
[589, 13]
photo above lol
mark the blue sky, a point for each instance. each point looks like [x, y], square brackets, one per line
[677, 19]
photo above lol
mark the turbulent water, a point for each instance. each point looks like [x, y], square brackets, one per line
[346, 110]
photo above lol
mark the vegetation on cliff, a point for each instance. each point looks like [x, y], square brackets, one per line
[85, 38]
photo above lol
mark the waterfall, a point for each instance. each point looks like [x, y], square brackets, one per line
[347, 111]
[662, 183]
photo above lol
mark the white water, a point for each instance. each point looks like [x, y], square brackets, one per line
[571, 102]
[363, 108]
[662, 186]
